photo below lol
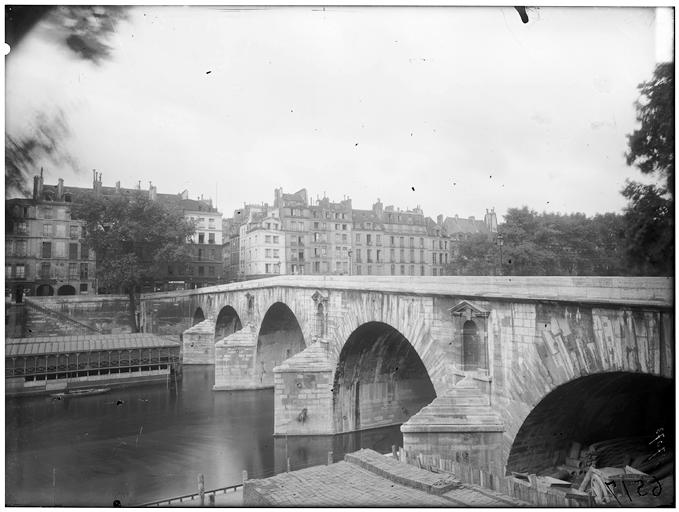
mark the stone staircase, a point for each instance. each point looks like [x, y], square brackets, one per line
[463, 408]
[43, 321]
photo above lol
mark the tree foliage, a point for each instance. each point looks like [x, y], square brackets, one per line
[651, 146]
[85, 31]
[650, 212]
[135, 240]
[649, 229]
[546, 244]
[42, 145]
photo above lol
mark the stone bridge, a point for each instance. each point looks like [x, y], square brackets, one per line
[503, 373]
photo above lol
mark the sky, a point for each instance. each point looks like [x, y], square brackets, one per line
[453, 109]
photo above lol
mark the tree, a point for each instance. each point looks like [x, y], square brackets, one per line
[475, 256]
[650, 212]
[135, 241]
[25, 153]
[546, 244]
[85, 31]
[649, 230]
[651, 146]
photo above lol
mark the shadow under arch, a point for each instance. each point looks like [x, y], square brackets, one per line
[198, 317]
[227, 323]
[279, 338]
[380, 380]
[592, 409]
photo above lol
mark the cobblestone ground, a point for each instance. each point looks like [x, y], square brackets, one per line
[368, 479]
[341, 485]
[230, 499]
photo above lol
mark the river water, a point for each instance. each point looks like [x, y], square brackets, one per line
[149, 442]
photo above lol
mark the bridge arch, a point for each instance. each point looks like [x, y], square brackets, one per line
[280, 337]
[380, 379]
[198, 316]
[591, 409]
[228, 322]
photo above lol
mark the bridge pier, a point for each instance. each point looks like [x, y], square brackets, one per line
[458, 426]
[303, 400]
[198, 345]
[235, 361]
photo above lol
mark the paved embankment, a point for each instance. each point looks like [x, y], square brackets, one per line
[230, 499]
[368, 479]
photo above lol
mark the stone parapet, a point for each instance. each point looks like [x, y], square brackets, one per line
[198, 345]
[303, 400]
[235, 361]
[640, 291]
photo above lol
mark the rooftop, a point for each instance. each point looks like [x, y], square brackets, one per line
[84, 343]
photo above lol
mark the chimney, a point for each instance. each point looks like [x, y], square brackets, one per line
[37, 186]
[96, 182]
[117, 187]
[378, 208]
[60, 190]
[439, 220]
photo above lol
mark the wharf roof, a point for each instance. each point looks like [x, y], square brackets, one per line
[84, 343]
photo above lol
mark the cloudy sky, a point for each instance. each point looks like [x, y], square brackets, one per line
[467, 106]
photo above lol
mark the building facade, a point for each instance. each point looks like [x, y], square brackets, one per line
[262, 245]
[391, 241]
[45, 253]
[206, 266]
[332, 238]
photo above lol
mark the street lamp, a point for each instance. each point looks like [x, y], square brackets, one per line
[350, 270]
[500, 243]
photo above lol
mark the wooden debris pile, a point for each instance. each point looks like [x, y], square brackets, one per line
[627, 471]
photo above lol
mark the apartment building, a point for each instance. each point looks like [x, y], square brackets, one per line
[262, 245]
[44, 249]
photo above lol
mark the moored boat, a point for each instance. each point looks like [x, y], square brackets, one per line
[81, 392]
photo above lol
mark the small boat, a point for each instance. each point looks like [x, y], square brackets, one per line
[81, 392]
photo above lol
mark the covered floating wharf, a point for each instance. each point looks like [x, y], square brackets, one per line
[41, 364]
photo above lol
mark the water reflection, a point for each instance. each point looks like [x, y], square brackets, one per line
[143, 443]
[304, 451]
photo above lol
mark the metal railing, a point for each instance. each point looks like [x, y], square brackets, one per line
[190, 497]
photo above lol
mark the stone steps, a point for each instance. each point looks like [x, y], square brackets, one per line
[463, 408]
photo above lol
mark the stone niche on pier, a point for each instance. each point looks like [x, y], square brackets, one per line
[303, 393]
[460, 426]
[198, 346]
[235, 361]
